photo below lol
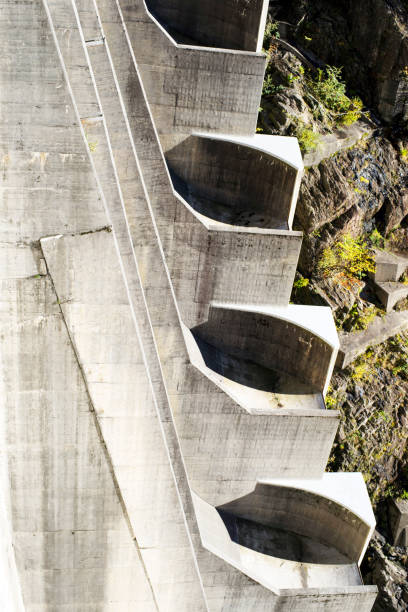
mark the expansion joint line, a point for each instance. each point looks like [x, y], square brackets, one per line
[92, 409]
[97, 426]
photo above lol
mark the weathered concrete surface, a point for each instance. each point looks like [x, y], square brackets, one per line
[99, 157]
[70, 537]
[303, 583]
[398, 518]
[74, 547]
[200, 408]
[307, 514]
[234, 24]
[354, 344]
[389, 266]
[390, 293]
[274, 343]
[95, 305]
[257, 265]
[10, 592]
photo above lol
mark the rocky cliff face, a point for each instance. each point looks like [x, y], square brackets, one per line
[355, 184]
[369, 39]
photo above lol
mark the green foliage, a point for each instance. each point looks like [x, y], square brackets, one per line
[401, 367]
[271, 32]
[308, 139]
[330, 90]
[404, 278]
[404, 154]
[351, 256]
[301, 282]
[292, 78]
[403, 495]
[331, 399]
[353, 113]
[381, 414]
[328, 261]
[269, 87]
[360, 371]
[359, 319]
[376, 239]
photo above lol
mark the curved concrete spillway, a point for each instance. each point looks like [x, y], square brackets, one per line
[289, 536]
[234, 24]
[153, 467]
[280, 345]
[238, 182]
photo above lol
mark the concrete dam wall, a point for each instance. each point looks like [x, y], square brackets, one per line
[164, 434]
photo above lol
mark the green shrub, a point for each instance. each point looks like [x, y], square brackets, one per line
[351, 256]
[301, 282]
[358, 320]
[353, 113]
[403, 154]
[308, 139]
[328, 261]
[376, 239]
[330, 90]
[269, 88]
[360, 371]
[331, 399]
[271, 32]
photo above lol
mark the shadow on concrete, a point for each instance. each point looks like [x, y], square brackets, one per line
[295, 524]
[233, 183]
[249, 373]
[280, 543]
[244, 216]
[231, 24]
